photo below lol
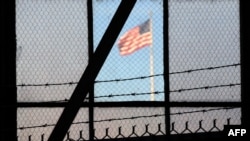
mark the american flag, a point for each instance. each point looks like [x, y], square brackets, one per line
[135, 39]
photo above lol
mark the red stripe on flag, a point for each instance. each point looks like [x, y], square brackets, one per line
[132, 41]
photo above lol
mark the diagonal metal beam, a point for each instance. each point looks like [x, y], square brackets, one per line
[91, 71]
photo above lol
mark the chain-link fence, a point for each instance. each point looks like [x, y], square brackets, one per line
[204, 66]
[52, 48]
[204, 34]
[52, 53]
[38, 123]
[204, 48]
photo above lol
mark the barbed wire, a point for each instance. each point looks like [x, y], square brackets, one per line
[47, 84]
[207, 68]
[129, 79]
[205, 88]
[148, 93]
[134, 117]
[136, 94]
[171, 91]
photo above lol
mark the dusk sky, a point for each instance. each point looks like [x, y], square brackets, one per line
[52, 47]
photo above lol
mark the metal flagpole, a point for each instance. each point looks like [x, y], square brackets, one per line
[152, 95]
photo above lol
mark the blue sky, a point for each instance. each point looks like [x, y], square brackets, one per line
[136, 64]
[201, 34]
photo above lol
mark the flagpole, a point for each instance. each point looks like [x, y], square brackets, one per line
[152, 95]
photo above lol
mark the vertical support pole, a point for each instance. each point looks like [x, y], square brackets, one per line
[91, 51]
[151, 57]
[166, 67]
[244, 58]
[8, 124]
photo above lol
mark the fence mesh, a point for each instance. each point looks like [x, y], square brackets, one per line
[204, 65]
[204, 34]
[52, 48]
[36, 124]
[198, 120]
[52, 53]
[128, 122]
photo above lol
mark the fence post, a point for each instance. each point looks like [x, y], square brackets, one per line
[42, 137]
[166, 69]
[8, 125]
[244, 57]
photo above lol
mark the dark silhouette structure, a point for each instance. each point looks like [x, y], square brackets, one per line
[9, 102]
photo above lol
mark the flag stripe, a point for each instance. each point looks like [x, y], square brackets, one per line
[134, 45]
[135, 39]
[140, 43]
[144, 37]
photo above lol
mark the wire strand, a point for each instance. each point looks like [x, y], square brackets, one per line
[128, 79]
[135, 117]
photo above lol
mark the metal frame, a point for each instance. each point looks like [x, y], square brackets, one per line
[8, 71]
[8, 75]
